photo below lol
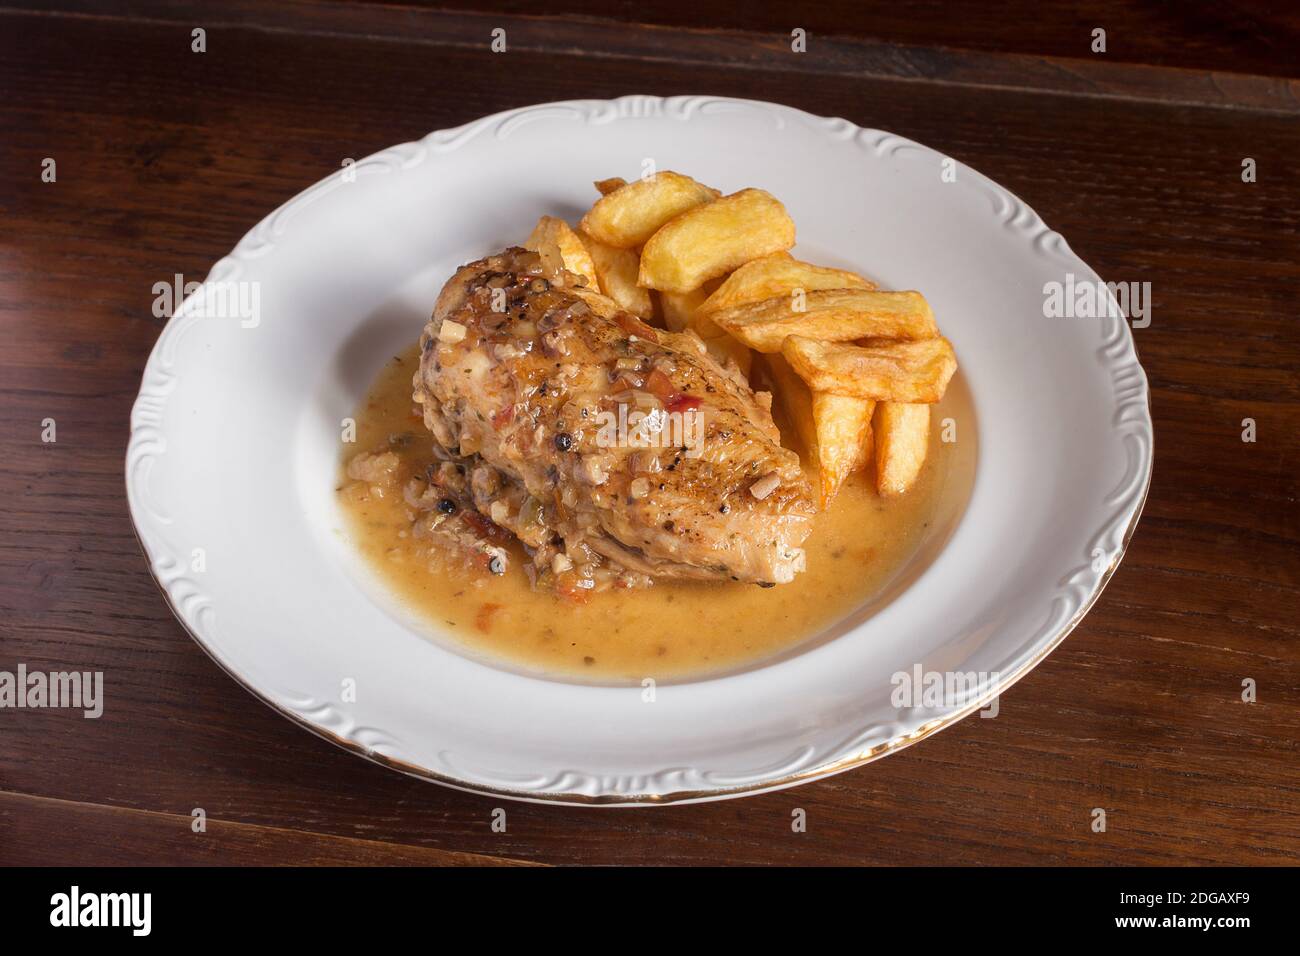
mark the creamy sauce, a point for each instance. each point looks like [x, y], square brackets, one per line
[673, 630]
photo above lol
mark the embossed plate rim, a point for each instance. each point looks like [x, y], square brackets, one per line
[668, 782]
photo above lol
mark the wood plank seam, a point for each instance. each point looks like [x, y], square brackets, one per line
[733, 49]
[163, 816]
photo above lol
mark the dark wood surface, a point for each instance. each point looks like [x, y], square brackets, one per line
[165, 158]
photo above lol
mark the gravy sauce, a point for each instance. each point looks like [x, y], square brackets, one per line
[671, 631]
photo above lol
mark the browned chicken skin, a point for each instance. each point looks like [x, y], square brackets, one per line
[524, 377]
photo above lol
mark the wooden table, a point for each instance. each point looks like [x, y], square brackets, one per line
[165, 157]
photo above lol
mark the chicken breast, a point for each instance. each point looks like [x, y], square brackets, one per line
[615, 451]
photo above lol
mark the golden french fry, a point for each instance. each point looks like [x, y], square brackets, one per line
[707, 328]
[779, 274]
[885, 371]
[796, 400]
[680, 314]
[724, 347]
[828, 315]
[679, 308]
[616, 271]
[561, 248]
[632, 213]
[607, 186]
[843, 426]
[902, 438]
[835, 430]
[710, 240]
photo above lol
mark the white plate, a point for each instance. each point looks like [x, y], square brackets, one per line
[234, 444]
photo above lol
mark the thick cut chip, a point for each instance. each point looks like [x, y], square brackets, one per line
[779, 274]
[561, 248]
[834, 430]
[828, 315]
[902, 436]
[710, 240]
[843, 426]
[679, 308]
[884, 371]
[681, 312]
[607, 186]
[724, 348]
[632, 213]
[616, 271]
[796, 400]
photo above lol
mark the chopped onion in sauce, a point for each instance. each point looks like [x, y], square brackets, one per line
[765, 485]
[451, 332]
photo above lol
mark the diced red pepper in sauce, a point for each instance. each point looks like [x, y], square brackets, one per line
[568, 587]
[486, 526]
[659, 385]
[630, 324]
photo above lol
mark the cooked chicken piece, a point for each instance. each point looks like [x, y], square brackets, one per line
[526, 376]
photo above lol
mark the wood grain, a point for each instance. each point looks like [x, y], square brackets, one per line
[165, 158]
[1232, 35]
[862, 53]
[44, 831]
